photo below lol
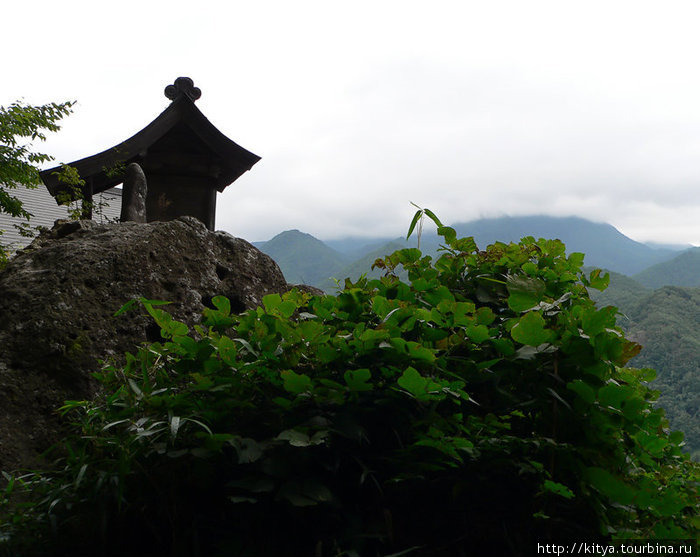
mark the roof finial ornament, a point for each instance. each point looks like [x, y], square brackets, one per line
[183, 86]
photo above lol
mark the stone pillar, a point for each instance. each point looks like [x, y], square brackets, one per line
[134, 194]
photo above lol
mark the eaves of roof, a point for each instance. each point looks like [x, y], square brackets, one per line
[232, 159]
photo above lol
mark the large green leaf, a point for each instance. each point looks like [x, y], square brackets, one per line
[611, 486]
[524, 292]
[448, 233]
[276, 306]
[356, 379]
[222, 304]
[296, 383]
[531, 330]
[595, 322]
[478, 333]
[583, 389]
[420, 387]
[595, 280]
[559, 489]
[614, 395]
[228, 350]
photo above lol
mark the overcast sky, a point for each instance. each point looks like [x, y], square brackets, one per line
[471, 108]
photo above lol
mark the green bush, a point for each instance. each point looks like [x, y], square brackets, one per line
[479, 407]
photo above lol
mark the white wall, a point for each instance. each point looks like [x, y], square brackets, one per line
[45, 212]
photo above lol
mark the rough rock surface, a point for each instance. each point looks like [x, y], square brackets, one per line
[59, 295]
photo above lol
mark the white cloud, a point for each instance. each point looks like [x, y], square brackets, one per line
[470, 108]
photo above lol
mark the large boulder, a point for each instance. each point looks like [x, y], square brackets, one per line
[58, 298]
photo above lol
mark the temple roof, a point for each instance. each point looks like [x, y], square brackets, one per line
[179, 142]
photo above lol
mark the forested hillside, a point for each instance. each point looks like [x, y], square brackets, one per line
[665, 322]
[303, 258]
[363, 265]
[623, 292]
[682, 270]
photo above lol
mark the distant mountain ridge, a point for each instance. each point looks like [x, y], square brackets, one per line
[304, 258]
[682, 270]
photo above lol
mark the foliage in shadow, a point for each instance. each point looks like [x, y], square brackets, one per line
[479, 407]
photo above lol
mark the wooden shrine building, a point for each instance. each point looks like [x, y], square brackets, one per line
[185, 159]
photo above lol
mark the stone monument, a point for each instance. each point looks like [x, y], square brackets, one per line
[134, 195]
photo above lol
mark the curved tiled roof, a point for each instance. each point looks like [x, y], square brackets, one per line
[180, 141]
